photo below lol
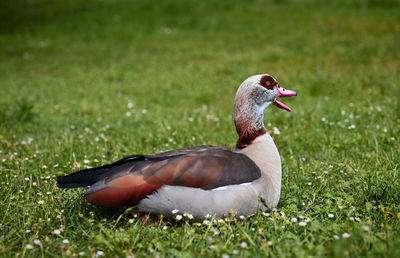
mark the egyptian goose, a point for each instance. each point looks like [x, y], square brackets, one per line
[199, 180]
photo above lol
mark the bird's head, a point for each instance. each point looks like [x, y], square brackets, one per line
[261, 91]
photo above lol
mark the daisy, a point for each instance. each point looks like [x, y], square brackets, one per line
[345, 235]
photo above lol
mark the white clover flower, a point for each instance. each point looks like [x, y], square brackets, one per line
[302, 224]
[175, 211]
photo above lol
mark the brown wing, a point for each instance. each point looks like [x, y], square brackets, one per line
[203, 167]
[207, 169]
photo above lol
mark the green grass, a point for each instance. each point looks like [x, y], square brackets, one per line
[71, 70]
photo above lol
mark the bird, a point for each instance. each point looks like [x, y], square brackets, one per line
[202, 180]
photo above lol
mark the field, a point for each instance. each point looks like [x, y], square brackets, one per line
[84, 83]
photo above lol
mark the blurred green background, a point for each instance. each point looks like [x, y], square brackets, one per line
[105, 79]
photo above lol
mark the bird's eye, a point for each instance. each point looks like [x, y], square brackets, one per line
[269, 85]
[267, 82]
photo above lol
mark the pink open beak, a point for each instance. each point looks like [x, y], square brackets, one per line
[281, 94]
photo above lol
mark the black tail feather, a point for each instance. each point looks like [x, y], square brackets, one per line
[81, 178]
[88, 177]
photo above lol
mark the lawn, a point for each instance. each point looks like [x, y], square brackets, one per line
[84, 83]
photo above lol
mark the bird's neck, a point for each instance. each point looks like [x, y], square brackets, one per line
[248, 118]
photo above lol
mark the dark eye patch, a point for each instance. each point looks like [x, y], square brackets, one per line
[267, 82]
